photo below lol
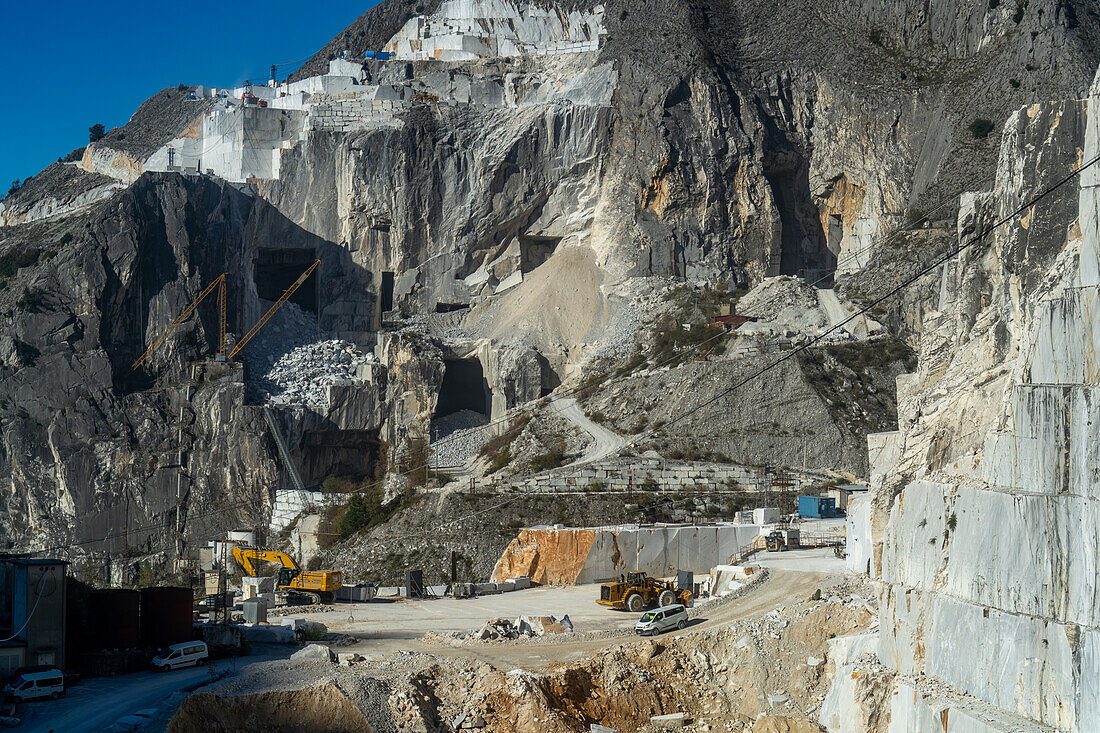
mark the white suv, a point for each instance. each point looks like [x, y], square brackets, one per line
[662, 619]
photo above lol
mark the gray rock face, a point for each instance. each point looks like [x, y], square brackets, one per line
[714, 141]
[89, 447]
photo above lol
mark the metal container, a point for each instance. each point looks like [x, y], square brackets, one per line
[115, 617]
[166, 616]
[255, 611]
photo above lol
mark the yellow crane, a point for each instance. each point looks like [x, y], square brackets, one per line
[220, 283]
[318, 585]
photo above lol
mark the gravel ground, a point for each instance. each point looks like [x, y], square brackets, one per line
[640, 299]
[291, 362]
[456, 438]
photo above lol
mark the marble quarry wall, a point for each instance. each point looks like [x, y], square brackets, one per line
[989, 606]
[465, 30]
[569, 556]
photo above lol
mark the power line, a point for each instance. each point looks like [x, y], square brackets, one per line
[951, 254]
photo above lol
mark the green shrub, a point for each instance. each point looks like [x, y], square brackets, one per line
[10, 262]
[501, 459]
[552, 458]
[980, 128]
[363, 511]
[499, 442]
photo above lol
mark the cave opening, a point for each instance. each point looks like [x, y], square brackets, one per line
[464, 388]
[550, 378]
[534, 250]
[836, 233]
[385, 295]
[275, 270]
[804, 250]
[442, 307]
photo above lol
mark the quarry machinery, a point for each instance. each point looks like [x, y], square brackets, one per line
[637, 591]
[319, 586]
[220, 282]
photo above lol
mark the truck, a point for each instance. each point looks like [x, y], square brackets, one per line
[635, 592]
[319, 586]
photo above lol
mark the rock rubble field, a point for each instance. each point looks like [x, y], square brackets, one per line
[456, 438]
[291, 362]
[766, 673]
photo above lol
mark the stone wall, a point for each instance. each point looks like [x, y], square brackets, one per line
[568, 556]
[346, 115]
[632, 474]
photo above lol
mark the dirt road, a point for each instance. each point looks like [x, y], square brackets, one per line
[606, 442]
[781, 588]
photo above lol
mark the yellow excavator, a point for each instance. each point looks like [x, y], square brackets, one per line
[319, 586]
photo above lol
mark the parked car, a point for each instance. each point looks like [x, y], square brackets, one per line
[71, 678]
[36, 686]
[662, 619]
[184, 654]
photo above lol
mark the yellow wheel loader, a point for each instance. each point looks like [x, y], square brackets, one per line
[638, 591]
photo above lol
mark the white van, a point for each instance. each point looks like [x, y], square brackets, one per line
[184, 654]
[662, 619]
[36, 685]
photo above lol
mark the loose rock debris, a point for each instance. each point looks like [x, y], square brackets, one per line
[766, 674]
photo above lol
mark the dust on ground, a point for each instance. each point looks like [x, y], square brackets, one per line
[764, 673]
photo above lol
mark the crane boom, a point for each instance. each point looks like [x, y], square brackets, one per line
[271, 311]
[247, 557]
[182, 316]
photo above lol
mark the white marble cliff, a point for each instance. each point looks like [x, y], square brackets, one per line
[990, 617]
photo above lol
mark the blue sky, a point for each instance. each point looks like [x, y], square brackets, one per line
[68, 65]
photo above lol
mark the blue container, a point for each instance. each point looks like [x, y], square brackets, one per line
[817, 507]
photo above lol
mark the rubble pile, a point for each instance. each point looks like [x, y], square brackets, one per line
[291, 362]
[765, 674]
[524, 626]
[456, 438]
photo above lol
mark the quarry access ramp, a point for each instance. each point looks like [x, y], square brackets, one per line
[606, 442]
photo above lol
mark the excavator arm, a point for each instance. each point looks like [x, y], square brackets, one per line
[248, 557]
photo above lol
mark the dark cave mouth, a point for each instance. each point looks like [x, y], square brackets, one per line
[804, 246]
[464, 388]
[275, 270]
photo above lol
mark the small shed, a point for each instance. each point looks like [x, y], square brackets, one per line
[817, 507]
[843, 493]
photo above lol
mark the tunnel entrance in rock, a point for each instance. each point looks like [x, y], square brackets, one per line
[803, 245]
[550, 378]
[442, 307]
[836, 233]
[385, 293]
[349, 454]
[464, 388]
[534, 250]
[275, 270]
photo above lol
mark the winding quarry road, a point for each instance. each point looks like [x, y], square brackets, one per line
[606, 442]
